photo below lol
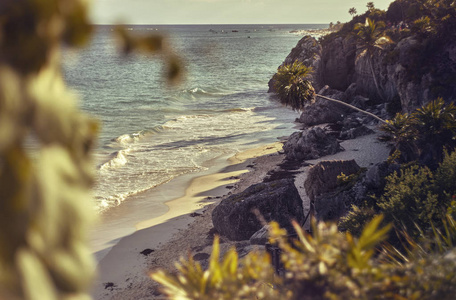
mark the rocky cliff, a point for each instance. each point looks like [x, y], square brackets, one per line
[409, 73]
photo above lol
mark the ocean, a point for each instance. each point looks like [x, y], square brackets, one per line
[152, 133]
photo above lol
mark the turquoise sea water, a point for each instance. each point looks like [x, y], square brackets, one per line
[152, 133]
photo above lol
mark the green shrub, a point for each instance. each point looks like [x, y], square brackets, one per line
[327, 265]
[409, 198]
[424, 134]
[356, 219]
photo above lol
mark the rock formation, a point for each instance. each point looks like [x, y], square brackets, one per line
[322, 177]
[276, 201]
[311, 143]
[403, 79]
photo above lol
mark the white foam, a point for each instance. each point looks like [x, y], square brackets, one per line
[118, 159]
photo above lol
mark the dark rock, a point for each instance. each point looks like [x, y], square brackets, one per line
[353, 133]
[337, 63]
[332, 93]
[311, 143]
[275, 201]
[201, 256]
[307, 51]
[109, 285]
[261, 236]
[146, 252]
[360, 102]
[374, 178]
[322, 177]
[320, 112]
[334, 205]
[195, 214]
[350, 93]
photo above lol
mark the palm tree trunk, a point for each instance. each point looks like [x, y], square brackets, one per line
[374, 77]
[355, 108]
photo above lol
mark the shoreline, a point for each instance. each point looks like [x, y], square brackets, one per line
[185, 234]
[122, 263]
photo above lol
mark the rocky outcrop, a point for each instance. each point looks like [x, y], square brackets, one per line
[311, 143]
[355, 132]
[276, 201]
[332, 202]
[322, 177]
[409, 74]
[337, 63]
[334, 205]
[320, 112]
[307, 51]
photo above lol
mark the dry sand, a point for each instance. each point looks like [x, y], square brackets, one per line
[124, 270]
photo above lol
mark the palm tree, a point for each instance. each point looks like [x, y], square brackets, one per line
[370, 6]
[294, 89]
[352, 11]
[370, 38]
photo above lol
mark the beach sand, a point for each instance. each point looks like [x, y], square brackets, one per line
[186, 228]
[124, 266]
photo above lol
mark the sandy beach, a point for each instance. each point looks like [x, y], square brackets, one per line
[185, 229]
[124, 265]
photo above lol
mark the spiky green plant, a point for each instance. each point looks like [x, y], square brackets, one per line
[327, 265]
[224, 279]
[424, 134]
[294, 89]
[401, 134]
[436, 124]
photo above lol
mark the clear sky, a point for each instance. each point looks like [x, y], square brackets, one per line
[227, 11]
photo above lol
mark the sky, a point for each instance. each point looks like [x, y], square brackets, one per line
[226, 11]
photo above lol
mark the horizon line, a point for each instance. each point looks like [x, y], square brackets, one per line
[200, 24]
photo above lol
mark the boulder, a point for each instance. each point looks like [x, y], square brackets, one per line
[320, 112]
[374, 178]
[307, 51]
[276, 201]
[311, 143]
[334, 205]
[353, 133]
[261, 236]
[322, 177]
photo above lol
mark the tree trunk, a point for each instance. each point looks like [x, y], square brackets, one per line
[374, 77]
[355, 108]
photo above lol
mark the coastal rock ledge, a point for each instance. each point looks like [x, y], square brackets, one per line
[276, 201]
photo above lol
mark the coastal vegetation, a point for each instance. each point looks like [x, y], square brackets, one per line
[295, 90]
[45, 194]
[399, 243]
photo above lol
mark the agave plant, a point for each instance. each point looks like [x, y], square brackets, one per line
[436, 123]
[293, 88]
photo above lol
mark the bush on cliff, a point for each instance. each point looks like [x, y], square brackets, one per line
[327, 265]
[413, 200]
[423, 135]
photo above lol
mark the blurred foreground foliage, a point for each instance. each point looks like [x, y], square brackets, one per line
[46, 171]
[327, 265]
[45, 200]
